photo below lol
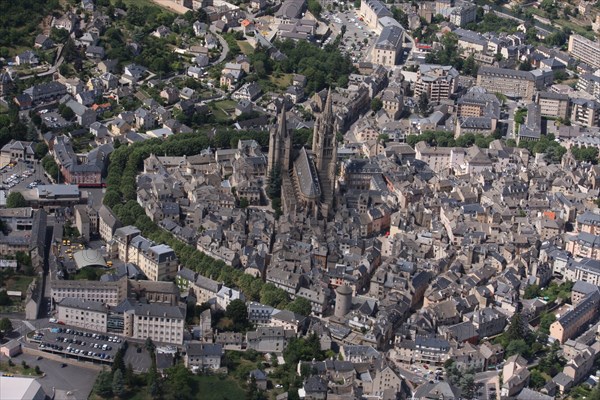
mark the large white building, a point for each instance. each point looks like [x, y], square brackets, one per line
[157, 262]
[388, 48]
[17, 388]
[585, 50]
[84, 314]
[160, 322]
[438, 82]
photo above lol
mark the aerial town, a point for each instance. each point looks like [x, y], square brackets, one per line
[299, 199]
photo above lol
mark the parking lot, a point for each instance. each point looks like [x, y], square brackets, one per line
[21, 175]
[53, 120]
[78, 344]
[77, 381]
[357, 32]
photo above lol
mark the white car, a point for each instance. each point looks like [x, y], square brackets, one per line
[53, 320]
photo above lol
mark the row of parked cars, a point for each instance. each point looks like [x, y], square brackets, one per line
[69, 331]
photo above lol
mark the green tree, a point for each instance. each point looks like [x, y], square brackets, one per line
[468, 385]
[103, 386]
[315, 7]
[273, 296]
[536, 379]
[179, 383]
[5, 326]
[118, 383]
[376, 104]
[546, 319]
[470, 67]
[4, 301]
[111, 198]
[41, 150]
[300, 306]
[595, 395]
[525, 66]
[532, 291]
[238, 313]
[15, 200]
[67, 113]
[516, 330]
[129, 375]
[149, 345]
[518, 346]
[119, 363]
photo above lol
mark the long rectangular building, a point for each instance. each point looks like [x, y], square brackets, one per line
[585, 50]
[572, 322]
[509, 82]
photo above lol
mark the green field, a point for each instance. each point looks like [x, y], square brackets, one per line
[223, 110]
[19, 283]
[217, 388]
[245, 47]
[282, 82]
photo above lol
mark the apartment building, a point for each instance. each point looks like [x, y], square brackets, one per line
[586, 270]
[388, 47]
[583, 245]
[440, 158]
[511, 83]
[588, 222]
[269, 339]
[123, 237]
[203, 356]
[108, 223]
[372, 11]
[160, 322]
[477, 102]
[157, 262]
[438, 82]
[110, 293]
[393, 103]
[581, 289]
[85, 314]
[585, 112]
[572, 322]
[585, 50]
[589, 83]
[463, 15]
[553, 105]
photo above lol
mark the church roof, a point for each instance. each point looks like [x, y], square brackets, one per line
[307, 176]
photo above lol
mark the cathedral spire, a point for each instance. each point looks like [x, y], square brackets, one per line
[282, 128]
[328, 110]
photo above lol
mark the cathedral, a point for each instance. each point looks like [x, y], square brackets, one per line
[307, 179]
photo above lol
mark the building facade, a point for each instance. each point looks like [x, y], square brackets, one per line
[584, 50]
[86, 314]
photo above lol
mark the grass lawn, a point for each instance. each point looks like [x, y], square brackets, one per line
[89, 273]
[17, 369]
[282, 82]
[223, 110]
[19, 283]
[217, 388]
[245, 47]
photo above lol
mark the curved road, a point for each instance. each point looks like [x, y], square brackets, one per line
[224, 46]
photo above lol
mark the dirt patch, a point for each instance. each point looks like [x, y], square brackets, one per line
[172, 5]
